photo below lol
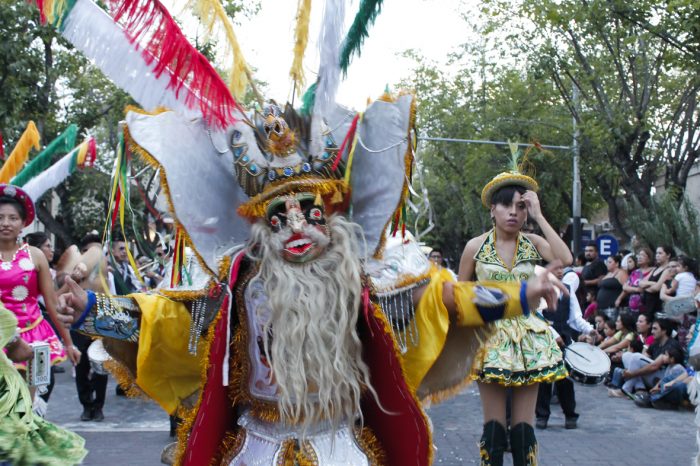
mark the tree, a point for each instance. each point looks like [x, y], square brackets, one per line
[44, 79]
[485, 100]
[638, 108]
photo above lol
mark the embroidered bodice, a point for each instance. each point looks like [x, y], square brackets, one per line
[490, 266]
[19, 287]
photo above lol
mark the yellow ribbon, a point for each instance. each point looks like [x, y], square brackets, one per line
[301, 35]
[20, 154]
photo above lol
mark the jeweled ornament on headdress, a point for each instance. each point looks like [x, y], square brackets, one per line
[280, 163]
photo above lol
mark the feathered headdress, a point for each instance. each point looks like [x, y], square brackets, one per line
[514, 176]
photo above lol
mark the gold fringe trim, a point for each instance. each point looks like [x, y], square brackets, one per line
[287, 455]
[150, 160]
[370, 446]
[189, 415]
[224, 267]
[406, 280]
[256, 207]
[386, 327]
[183, 295]
[482, 335]
[408, 165]
[548, 375]
[239, 372]
[230, 447]
[125, 379]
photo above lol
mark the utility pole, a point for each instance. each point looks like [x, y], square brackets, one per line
[576, 197]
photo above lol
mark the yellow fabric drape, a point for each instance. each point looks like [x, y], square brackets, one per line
[301, 38]
[433, 322]
[20, 154]
[166, 371]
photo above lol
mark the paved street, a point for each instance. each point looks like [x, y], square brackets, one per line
[611, 431]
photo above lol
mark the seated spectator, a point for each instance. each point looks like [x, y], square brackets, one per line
[608, 332]
[671, 390]
[625, 325]
[599, 336]
[619, 388]
[644, 330]
[645, 369]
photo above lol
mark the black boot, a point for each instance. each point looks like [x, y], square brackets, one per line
[493, 444]
[524, 445]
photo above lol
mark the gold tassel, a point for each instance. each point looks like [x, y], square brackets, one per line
[20, 154]
[318, 200]
[337, 197]
[301, 39]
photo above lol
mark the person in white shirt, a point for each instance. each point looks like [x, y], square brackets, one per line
[685, 281]
[566, 321]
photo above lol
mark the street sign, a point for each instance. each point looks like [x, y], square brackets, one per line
[607, 246]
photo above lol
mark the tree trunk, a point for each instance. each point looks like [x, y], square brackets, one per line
[52, 225]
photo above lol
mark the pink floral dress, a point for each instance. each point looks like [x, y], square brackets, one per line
[19, 292]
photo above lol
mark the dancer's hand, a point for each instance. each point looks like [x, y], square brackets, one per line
[532, 202]
[19, 351]
[73, 354]
[544, 286]
[72, 303]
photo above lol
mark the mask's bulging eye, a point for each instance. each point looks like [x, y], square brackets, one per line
[315, 214]
[275, 221]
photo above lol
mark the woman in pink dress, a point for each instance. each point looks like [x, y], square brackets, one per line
[25, 275]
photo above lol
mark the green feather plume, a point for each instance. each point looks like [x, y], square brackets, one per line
[308, 100]
[369, 9]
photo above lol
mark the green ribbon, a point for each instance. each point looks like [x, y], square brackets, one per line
[62, 144]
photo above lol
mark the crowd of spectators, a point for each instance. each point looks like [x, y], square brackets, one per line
[624, 298]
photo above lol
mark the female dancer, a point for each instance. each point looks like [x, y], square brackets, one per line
[522, 352]
[24, 275]
[25, 438]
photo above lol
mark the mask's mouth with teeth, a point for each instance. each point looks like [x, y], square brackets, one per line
[298, 245]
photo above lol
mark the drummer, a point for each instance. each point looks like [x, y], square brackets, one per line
[566, 321]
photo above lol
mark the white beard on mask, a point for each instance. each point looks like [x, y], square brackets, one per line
[315, 353]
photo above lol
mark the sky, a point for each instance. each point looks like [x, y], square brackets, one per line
[432, 27]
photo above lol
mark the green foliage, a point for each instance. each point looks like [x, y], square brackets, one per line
[488, 102]
[43, 78]
[670, 220]
[638, 104]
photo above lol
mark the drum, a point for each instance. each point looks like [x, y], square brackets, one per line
[587, 364]
[98, 355]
